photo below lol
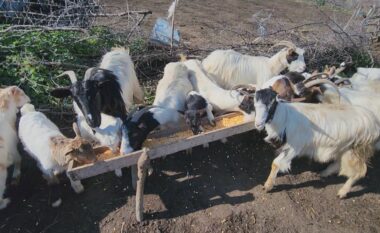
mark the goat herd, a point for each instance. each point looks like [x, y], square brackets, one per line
[321, 115]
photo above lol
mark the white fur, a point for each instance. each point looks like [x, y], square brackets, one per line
[367, 100]
[174, 87]
[366, 85]
[35, 132]
[8, 138]
[367, 74]
[120, 63]
[324, 133]
[230, 68]
[221, 100]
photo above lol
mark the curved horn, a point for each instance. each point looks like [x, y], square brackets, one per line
[341, 80]
[88, 73]
[314, 76]
[71, 74]
[286, 44]
[320, 81]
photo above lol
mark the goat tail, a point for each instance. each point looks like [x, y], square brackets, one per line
[354, 162]
[182, 57]
[27, 108]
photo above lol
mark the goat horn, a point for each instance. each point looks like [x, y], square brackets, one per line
[285, 43]
[341, 80]
[88, 73]
[320, 81]
[314, 76]
[71, 74]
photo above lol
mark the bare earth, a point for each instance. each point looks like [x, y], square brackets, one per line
[218, 189]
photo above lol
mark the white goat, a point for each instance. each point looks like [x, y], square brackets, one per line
[50, 148]
[174, 96]
[11, 98]
[221, 100]
[366, 74]
[230, 68]
[340, 133]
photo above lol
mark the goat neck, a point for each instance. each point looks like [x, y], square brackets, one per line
[278, 62]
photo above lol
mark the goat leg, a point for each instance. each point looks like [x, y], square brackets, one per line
[3, 177]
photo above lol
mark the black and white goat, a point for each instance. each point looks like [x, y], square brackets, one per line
[230, 68]
[322, 132]
[174, 99]
[109, 89]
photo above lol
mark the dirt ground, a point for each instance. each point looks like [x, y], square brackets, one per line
[219, 189]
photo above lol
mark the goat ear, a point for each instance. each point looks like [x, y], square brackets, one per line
[291, 51]
[61, 92]
[14, 90]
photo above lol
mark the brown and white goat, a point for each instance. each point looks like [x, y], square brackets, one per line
[50, 148]
[11, 98]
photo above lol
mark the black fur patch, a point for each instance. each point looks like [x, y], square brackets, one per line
[195, 110]
[195, 102]
[295, 77]
[292, 57]
[266, 96]
[112, 102]
[138, 129]
[248, 104]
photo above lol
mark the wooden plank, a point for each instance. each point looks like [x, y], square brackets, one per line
[100, 167]
[182, 127]
[199, 139]
[119, 162]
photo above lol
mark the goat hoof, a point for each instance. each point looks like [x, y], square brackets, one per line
[223, 140]
[213, 123]
[342, 194]
[57, 203]
[118, 173]
[78, 188]
[206, 145]
[268, 187]
[4, 203]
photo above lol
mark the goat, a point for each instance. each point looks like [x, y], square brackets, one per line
[109, 89]
[340, 133]
[349, 96]
[294, 87]
[367, 74]
[44, 142]
[11, 98]
[174, 96]
[221, 100]
[229, 68]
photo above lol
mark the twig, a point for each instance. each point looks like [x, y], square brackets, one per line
[340, 28]
[171, 40]
[41, 28]
[145, 12]
[135, 26]
[50, 63]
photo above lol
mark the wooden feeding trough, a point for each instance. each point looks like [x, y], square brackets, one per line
[159, 144]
